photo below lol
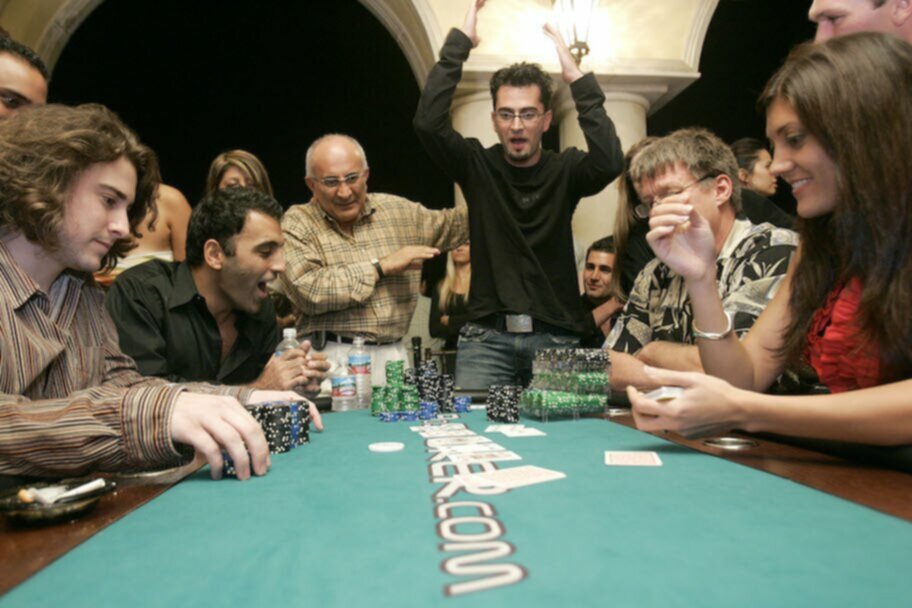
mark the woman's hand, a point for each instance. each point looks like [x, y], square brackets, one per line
[708, 406]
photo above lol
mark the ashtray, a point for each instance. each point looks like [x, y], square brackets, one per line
[65, 509]
[730, 443]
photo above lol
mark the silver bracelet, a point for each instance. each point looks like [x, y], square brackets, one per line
[715, 335]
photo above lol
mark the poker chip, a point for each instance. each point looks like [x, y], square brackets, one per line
[503, 403]
[386, 446]
[461, 404]
[568, 382]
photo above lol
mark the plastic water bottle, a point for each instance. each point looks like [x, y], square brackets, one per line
[359, 362]
[289, 341]
[343, 388]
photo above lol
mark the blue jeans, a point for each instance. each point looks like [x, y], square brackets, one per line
[488, 356]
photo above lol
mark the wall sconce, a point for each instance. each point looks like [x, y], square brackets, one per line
[573, 18]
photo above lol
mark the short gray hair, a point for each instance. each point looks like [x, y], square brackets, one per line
[308, 159]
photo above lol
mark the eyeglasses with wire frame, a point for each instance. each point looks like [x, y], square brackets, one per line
[526, 117]
[644, 207]
[332, 182]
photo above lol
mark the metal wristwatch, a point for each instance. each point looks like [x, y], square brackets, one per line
[379, 268]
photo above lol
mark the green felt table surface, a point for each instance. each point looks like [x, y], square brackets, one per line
[334, 524]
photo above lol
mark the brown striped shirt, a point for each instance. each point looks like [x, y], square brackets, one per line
[330, 278]
[70, 400]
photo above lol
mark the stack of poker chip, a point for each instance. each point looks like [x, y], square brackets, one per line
[428, 381]
[567, 382]
[503, 403]
[445, 393]
[400, 398]
[461, 404]
[395, 373]
[285, 424]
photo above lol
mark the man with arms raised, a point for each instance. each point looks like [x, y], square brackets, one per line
[75, 183]
[521, 199]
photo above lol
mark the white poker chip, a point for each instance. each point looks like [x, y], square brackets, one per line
[386, 446]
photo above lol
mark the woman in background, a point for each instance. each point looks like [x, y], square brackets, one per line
[238, 168]
[450, 303]
[754, 162]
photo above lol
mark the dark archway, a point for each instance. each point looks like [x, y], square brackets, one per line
[745, 44]
[197, 78]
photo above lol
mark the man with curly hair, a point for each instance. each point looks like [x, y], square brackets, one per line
[75, 184]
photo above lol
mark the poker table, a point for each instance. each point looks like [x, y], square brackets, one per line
[334, 524]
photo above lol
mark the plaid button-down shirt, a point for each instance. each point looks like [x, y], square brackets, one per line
[70, 400]
[329, 276]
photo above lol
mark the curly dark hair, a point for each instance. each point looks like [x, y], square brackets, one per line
[523, 75]
[222, 215]
[43, 149]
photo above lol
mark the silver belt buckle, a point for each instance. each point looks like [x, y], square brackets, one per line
[519, 324]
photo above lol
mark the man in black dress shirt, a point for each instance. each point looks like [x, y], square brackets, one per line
[521, 200]
[210, 317]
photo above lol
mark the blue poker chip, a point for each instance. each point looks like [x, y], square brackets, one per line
[408, 416]
[389, 416]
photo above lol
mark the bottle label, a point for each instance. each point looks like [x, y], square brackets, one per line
[359, 364]
[343, 387]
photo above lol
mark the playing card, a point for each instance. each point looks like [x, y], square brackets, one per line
[469, 448]
[489, 456]
[497, 428]
[632, 459]
[514, 477]
[523, 431]
[450, 426]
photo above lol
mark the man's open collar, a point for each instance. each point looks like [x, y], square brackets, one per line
[20, 286]
[184, 286]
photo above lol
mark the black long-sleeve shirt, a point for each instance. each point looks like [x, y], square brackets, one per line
[519, 217]
[163, 323]
[456, 312]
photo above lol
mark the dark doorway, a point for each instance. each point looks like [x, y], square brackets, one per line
[197, 78]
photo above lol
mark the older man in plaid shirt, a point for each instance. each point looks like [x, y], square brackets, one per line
[353, 259]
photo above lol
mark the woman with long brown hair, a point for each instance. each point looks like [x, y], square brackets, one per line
[838, 117]
[238, 168]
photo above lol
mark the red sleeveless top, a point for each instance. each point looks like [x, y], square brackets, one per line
[834, 346]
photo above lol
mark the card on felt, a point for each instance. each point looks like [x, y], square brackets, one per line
[632, 459]
[468, 448]
[450, 426]
[514, 477]
[525, 431]
[498, 428]
[476, 457]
